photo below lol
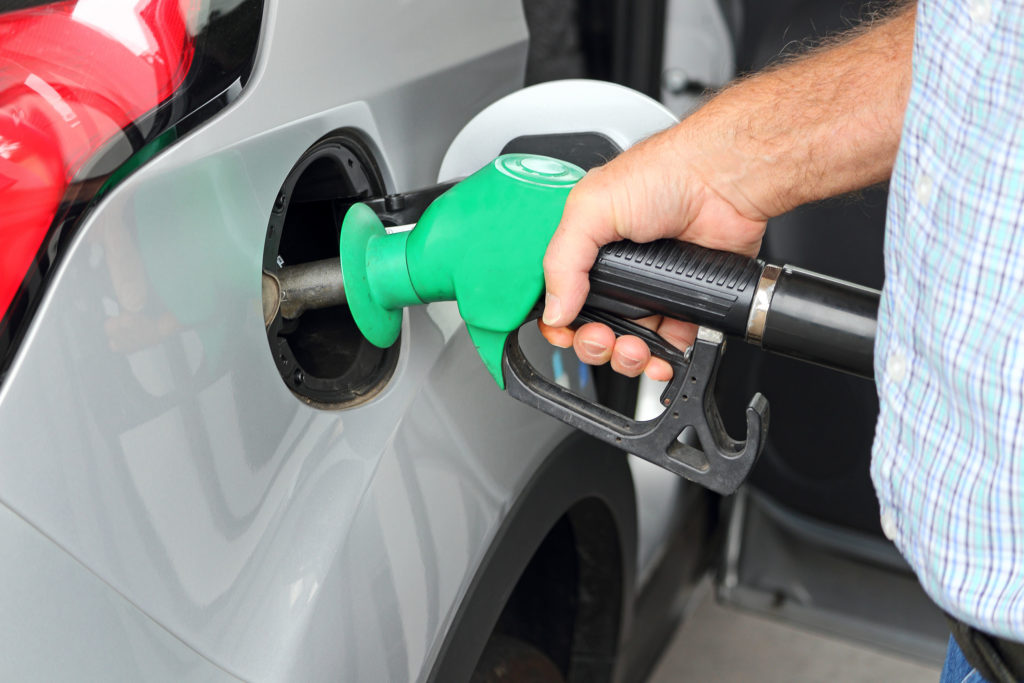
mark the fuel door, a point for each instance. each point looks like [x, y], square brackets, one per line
[583, 121]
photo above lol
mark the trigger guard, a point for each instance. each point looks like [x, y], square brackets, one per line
[722, 463]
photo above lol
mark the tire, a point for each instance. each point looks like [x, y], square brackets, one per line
[506, 659]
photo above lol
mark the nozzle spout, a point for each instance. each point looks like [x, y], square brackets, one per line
[293, 290]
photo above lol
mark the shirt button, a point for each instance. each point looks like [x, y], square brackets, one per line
[889, 525]
[923, 188]
[980, 10]
[896, 366]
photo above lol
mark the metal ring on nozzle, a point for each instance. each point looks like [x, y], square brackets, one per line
[762, 302]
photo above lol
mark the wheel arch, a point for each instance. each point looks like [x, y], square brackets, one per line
[583, 491]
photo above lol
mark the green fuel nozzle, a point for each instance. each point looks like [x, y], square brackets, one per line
[480, 244]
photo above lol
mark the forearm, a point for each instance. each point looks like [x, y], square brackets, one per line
[825, 124]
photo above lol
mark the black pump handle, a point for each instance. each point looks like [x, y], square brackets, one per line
[786, 310]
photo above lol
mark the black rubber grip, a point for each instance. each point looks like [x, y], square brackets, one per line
[677, 279]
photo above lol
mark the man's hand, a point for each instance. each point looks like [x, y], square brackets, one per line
[821, 125]
[649, 192]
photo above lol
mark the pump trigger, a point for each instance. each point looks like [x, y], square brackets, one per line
[658, 346]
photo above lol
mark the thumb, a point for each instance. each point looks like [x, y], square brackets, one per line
[585, 227]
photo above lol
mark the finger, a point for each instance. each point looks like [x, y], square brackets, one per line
[677, 333]
[593, 343]
[659, 370]
[557, 336]
[651, 322]
[630, 356]
[584, 228]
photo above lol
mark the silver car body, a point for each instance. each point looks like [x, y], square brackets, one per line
[170, 510]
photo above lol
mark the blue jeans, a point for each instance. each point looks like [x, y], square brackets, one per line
[957, 669]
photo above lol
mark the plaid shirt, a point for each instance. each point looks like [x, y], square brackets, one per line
[948, 460]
